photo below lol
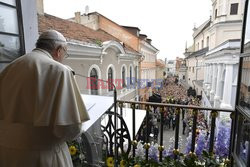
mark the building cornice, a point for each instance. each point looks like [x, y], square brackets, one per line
[148, 46]
[225, 56]
[225, 23]
[77, 50]
[232, 44]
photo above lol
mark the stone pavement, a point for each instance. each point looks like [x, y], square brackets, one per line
[170, 133]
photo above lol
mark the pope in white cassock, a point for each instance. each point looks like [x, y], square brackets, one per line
[40, 107]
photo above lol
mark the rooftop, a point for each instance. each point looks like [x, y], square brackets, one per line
[72, 30]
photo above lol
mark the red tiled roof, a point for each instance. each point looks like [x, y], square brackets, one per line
[75, 31]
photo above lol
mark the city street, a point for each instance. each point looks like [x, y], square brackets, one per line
[168, 137]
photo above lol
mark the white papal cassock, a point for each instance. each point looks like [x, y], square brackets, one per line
[40, 109]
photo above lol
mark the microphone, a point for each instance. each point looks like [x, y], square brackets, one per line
[68, 67]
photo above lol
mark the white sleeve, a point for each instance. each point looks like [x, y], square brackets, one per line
[68, 132]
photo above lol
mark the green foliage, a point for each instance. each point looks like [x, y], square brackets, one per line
[78, 156]
[98, 42]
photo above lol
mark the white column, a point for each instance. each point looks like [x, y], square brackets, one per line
[205, 77]
[213, 83]
[209, 79]
[218, 87]
[227, 93]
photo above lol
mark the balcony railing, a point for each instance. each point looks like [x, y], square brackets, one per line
[120, 135]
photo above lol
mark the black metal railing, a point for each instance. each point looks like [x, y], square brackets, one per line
[164, 108]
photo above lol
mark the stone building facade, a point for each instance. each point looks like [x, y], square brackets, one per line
[129, 36]
[96, 54]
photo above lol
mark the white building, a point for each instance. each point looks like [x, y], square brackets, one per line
[212, 63]
[98, 55]
[221, 61]
[129, 36]
[195, 72]
[148, 65]
[171, 66]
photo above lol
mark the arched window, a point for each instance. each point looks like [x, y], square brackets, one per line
[94, 82]
[123, 77]
[110, 79]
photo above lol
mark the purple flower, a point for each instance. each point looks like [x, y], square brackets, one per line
[188, 145]
[140, 151]
[201, 143]
[153, 152]
[169, 152]
[206, 148]
[222, 140]
[164, 153]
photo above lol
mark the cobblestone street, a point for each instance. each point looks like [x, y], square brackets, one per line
[170, 133]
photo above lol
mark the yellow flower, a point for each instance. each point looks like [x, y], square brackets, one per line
[123, 163]
[137, 165]
[110, 162]
[72, 150]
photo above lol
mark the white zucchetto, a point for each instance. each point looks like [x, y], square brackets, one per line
[52, 35]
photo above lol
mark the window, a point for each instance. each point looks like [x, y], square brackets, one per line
[198, 46]
[234, 9]
[207, 41]
[110, 79]
[130, 74]
[242, 148]
[215, 14]
[193, 69]
[202, 44]
[123, 77]
[94, 82]
[11, 38]
[242, 131]
[136, 74]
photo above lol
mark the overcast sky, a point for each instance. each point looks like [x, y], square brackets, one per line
[168, 23]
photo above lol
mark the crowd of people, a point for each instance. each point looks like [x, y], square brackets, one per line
[172, 93]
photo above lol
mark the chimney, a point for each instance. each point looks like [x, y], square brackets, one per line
[78, 17]
[39, 7]
[149, 40]
[143, 37]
